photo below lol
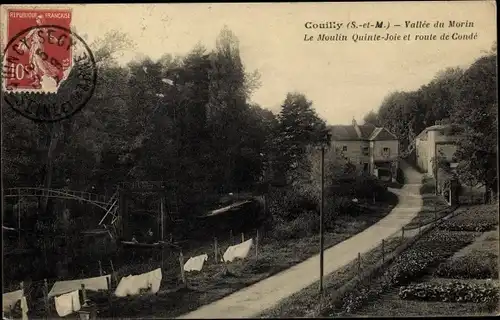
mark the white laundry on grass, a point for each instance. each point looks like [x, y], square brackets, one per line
[195, 263]
[10, 299]
[92, 284]
[239, 251]
[133, 284]
[67, 303]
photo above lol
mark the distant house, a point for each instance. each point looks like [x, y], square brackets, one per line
[440, 139]
[372, 149]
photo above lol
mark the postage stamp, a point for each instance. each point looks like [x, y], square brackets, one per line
[43, 55]
[49, 72]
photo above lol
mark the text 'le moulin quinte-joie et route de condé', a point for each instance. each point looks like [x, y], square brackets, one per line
[415, 25]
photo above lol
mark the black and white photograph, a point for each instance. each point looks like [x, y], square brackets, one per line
[249, 160]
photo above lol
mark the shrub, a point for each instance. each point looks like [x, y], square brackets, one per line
[467, 226]
[454, 291]
[400, 177]
[411, 264]
[480, 219]
[362, 186]
[481, 265]
[433, 248]
[305, 225]
[288, 203]
[338, 205]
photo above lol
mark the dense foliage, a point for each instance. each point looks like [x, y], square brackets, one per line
[411, 264]
[454, 291]
[477, 265]
[480, 219]
[185, 119]
[464, 97]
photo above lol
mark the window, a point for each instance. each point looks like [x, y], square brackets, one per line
[386, 151]
[366, 151]
[344, 148]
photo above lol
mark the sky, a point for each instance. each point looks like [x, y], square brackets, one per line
[344, 80]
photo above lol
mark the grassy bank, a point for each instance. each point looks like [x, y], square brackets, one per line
[309, 302]
[439, 274]
[433, 208]
[215, 281]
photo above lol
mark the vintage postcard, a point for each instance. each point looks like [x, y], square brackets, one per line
[249, 160]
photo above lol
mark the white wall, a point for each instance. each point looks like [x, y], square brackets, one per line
[421, 149]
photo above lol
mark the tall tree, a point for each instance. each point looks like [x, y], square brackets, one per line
[299, 128]
[372, 117]
[229, 89]
[477, 109]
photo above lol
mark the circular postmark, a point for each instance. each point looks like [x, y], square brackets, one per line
[49, 73]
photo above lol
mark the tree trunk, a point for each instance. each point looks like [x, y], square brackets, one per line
[49, 165]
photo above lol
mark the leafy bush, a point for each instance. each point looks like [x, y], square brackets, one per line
[454, 291]
[289, 203]
[481, 265]
[433, 248]
[460, 226]
[411, 264]
[480, 219]
[362, 186]
[400, 177]
[305, 225]
[337, 206]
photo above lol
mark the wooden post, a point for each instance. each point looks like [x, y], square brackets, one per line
[383, 250]
[162, 219]
[242, 237]
[84, 296]
[216, 250]
[181, 263]
[100, 268]
[161, 255]
[108, 280]
[359, 264]
[46, 297]
[113, 274]
[110, 295]
[257, 243]
[321, 221]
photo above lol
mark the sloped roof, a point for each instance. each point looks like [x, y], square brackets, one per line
[366, 129]
[436, 127]
[382, 134]
[348, 132]
[368, 132]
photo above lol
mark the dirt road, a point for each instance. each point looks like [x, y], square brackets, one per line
[253, 300]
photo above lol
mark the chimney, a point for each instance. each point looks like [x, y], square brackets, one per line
[355, 125]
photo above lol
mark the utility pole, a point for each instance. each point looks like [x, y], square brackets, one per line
[436, 162]
[321, 209]
[1, 163]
